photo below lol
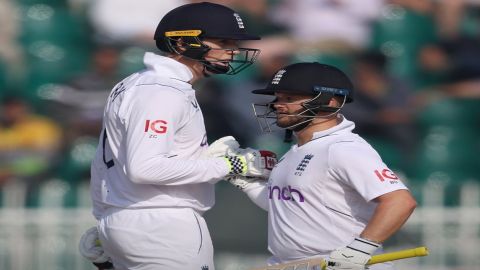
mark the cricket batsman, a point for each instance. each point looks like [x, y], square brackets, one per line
[330, 196]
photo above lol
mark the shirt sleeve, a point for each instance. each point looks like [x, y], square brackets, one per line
[148, 161]
[257, 192]
[359, 166]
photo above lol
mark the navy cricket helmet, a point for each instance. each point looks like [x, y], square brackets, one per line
[182, 30]
[310, 79]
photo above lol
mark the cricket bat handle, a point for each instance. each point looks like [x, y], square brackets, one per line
[319, 263]
[397, 255]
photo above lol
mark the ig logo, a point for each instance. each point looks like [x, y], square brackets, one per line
[157, 126]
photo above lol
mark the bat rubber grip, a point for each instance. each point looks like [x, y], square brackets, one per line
[403, 254]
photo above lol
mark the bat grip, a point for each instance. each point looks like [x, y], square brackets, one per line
[403, 254]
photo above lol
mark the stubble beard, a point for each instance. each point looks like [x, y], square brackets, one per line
[287, 121]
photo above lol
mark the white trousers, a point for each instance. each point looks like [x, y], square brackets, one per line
[156, 239]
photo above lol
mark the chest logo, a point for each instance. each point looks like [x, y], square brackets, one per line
[303, 164]
[287, 193]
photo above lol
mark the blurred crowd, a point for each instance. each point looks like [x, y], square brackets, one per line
[415, 65]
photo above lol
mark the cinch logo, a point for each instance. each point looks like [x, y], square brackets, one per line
[157, 126]
[285, 193]
[385, 173]
[278, 76]
[239, 20]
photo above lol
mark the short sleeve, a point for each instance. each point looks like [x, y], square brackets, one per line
[359, 166]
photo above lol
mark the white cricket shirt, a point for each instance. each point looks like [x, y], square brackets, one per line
[155, 137]
[320, 194]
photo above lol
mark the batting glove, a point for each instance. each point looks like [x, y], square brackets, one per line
[252, 163]
[352, 257]
[224, 146]
[91, 248]
[242, 182]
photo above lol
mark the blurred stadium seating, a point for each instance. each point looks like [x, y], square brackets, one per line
[399, 33]
[450, 143]
[56, 44]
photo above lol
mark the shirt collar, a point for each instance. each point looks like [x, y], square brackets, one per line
[344, 126]
[167, 67]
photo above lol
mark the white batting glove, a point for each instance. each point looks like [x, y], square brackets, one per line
[352, 257]
[241, 182]
[222, 147]
[91, 248]
[251, 163]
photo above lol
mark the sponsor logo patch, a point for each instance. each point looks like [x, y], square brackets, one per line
[155, 126]
[285, 194]
[386, 174]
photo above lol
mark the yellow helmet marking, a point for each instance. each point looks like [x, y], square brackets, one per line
[183, 33]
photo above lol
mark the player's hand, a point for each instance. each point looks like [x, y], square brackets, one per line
[222, 147]
[91, 249]
[352, 257]
[251, 163]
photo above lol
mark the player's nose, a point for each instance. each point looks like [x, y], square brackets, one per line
[279, 107]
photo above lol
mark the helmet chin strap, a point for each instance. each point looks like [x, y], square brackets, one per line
[311, 113]
[208, 70]
[300, 125]
[198, 54]
[204, 72]
[295, 128]
[215, 69]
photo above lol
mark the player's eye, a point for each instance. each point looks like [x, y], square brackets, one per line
[288, 99]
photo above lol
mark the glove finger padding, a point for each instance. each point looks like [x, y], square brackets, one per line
[224, 146]
[252, 163]
[90, 247]
[241, 182]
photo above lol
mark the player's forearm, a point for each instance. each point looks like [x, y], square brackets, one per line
[391, 213]
[168, 171]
